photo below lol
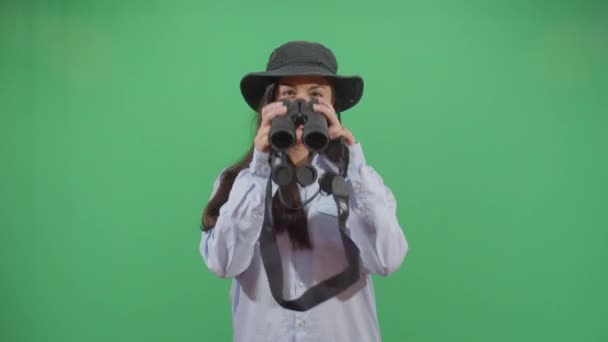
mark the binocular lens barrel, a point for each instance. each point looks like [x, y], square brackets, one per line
[282, 133]
[315, 135]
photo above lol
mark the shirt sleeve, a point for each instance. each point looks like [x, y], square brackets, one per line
[372, 223]
[228, 247]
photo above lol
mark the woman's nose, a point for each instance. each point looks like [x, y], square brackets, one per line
[304, 96]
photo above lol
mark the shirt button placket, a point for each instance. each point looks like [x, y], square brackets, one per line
[300, 333]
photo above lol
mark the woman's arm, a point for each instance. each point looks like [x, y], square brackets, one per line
[228, 247]
[372, 223]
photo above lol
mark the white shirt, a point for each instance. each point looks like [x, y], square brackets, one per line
[231, 250]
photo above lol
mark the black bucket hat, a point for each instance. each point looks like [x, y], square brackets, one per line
[301, 58]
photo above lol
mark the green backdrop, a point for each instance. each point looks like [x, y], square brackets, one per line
[487, 119]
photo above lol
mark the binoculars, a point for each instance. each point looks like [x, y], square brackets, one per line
[283, 135]
[299, 112]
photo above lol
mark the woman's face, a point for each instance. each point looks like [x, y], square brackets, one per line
[306, 88]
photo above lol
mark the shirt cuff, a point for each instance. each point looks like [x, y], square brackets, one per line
[259, 165]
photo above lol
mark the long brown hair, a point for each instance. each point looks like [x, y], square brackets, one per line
[294, 222]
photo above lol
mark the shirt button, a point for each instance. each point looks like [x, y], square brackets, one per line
[301, 284]
[302, 323]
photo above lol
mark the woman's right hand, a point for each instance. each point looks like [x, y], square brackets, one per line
[269, 112]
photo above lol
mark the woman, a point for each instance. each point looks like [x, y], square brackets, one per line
[308, 239]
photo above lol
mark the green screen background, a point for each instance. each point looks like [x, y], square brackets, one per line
[487, 119]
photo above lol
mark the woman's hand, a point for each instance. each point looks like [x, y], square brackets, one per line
[335, 128]
[269, 112]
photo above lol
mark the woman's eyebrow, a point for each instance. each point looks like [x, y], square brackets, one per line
[317, 86]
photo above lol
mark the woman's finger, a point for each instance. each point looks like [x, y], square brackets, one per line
[334, 132]
[263, 131]
[348, 135]
[261, 140]
[271, 108]
[271, 111]
[329, 113]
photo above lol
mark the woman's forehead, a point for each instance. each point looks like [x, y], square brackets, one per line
[303, 80]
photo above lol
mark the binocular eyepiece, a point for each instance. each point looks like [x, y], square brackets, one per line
[299, 112]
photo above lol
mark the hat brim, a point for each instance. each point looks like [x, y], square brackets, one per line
[348, 89]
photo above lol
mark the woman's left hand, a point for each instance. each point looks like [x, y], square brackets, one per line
[335, 128]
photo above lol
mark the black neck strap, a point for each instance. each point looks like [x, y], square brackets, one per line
[271, 256]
